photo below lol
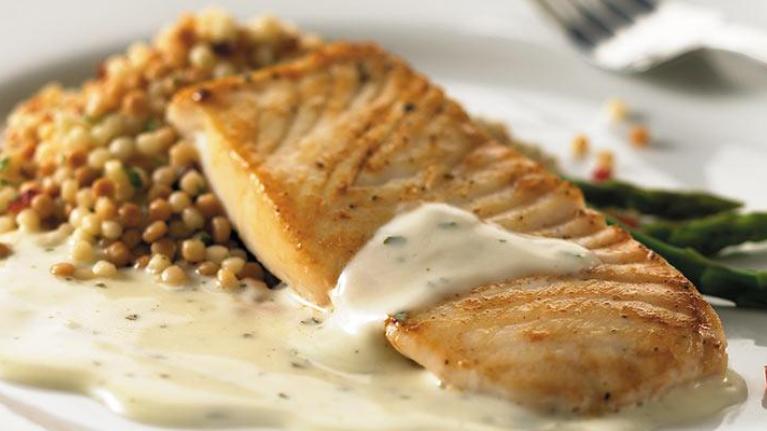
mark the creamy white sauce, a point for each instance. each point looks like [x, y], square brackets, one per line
[201, 357]
[437, 251]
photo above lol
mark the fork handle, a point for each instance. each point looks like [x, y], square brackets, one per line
[747, 41]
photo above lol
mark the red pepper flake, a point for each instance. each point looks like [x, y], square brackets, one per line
[23, 201]
[602, 173]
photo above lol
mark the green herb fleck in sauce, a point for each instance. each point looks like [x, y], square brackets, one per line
[394, 240]
[310, 321]
[448, 225]
[400, 317]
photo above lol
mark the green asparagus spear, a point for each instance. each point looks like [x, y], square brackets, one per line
[662, 203]
[711, 234]
[746, 288]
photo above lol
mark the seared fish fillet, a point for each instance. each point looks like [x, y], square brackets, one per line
[310, 158]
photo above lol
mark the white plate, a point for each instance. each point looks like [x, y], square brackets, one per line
[707, 114]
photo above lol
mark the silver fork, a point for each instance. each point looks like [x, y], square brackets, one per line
[636, 35]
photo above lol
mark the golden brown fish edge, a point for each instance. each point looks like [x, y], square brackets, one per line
[661, 353]
[245, 189]
[709, 327]
[260, 192]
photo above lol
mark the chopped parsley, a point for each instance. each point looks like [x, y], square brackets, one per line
[448, 225]
[5, 162]
[152, 124]
[134, 177]
[205, 238]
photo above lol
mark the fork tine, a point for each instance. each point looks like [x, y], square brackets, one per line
[578, 27]
[640, 6]
[591, 17]
[566, 22]
[613, 6]
[553, 11]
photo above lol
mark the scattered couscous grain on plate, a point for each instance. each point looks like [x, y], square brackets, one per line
[617, 110]
[5, 250]
[579, 146]
[639, 136]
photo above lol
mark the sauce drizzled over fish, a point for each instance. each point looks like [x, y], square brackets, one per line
[311, 158]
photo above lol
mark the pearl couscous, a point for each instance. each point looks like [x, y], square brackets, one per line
[102, 159]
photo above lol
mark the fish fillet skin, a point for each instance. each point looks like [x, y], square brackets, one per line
[310, 158]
